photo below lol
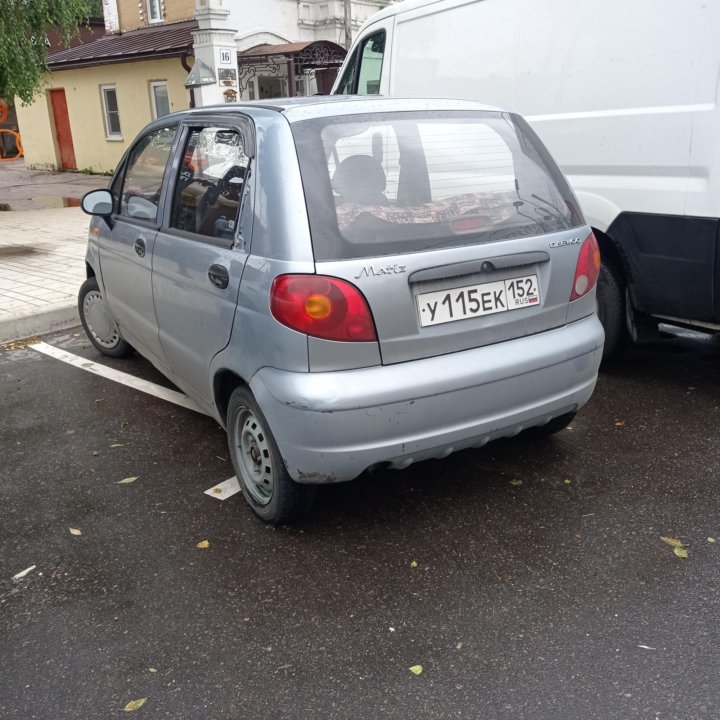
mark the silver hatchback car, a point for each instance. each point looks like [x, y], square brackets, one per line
[345, 283]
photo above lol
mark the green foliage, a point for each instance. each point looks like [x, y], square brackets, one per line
[23, 51]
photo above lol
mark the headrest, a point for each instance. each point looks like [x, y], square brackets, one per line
[359, 178]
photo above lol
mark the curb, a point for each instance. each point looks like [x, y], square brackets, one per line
[44, 321]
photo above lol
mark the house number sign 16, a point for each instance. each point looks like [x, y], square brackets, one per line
[226, 57]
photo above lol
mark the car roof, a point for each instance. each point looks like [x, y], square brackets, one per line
[305, 108]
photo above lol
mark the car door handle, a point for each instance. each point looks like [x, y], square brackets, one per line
[140, 247]
[219, 276]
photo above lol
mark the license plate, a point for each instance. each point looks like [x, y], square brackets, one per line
[470, 301]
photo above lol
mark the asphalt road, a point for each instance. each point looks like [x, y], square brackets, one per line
[528, 580]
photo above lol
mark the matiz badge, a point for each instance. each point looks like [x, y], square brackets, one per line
[370, 271]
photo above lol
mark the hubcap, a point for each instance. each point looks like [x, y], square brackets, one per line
[101, 326]
[254, 460]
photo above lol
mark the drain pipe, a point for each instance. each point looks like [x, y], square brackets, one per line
[186, 66]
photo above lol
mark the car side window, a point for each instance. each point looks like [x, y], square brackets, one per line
[372, 52]
[210, 183]
[146, 165]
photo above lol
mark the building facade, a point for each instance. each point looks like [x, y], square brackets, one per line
[160, 56]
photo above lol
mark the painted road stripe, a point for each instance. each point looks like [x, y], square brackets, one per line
[145, 386]
[225, 489]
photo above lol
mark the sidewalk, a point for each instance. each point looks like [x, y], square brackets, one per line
[42, 265]
[43, 237]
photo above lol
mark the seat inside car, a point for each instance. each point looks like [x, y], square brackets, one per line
[360, 179]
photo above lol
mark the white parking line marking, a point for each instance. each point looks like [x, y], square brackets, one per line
[225, 489]
[145, 386]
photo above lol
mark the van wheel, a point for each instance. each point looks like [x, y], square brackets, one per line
[550, 428]
[99, 325]
[264, 480]
[611, 308]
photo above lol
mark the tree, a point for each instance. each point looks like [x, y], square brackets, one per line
[23, 50]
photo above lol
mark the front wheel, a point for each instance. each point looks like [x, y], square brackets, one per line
[264, 480]
[99, 325]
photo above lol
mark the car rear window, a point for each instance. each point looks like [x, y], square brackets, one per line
[391, 183]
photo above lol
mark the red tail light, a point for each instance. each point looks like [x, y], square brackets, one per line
[587, 270]
[322, 306]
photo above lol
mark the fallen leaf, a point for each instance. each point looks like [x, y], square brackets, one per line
[99, 400]
[117, 445]
[619, 423]
[458, 646]
[75, 531]
[152, 670]
[711, 539]
[681, 552]
[415, 669]
[413, 564]
[217, 491]
[69, 432]
[567, 481]
[123, 423]
[135, 705]
[671, 541]
[127, 480]
[95, 453]
[203, 544]
[516, 482]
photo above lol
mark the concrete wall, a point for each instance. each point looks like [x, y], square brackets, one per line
[82, 90]
[134, 13]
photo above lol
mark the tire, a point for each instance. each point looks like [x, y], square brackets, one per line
[264, 480]
[99, 325]
[611, 308]
[554, 426]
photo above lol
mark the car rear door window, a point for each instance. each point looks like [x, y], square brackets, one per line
[146, 165]
[210, 183]
[405, 182]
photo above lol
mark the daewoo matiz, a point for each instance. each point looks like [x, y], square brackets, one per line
[347, 283]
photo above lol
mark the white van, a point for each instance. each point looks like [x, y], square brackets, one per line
[625, 96]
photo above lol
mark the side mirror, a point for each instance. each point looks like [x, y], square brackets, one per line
[98, 202]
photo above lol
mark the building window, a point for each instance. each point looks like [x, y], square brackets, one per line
[111, 112]
[155, 11]
[159, 99]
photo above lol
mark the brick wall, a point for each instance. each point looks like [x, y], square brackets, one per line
[135, 13]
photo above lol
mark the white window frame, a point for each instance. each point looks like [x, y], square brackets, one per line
[109, 134]
[153, 103]
[156, 5]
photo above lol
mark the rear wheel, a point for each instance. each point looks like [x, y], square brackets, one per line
[99, 325]
[264, 480]
[611, 308]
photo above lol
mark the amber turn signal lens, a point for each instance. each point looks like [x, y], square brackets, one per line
[318, 306]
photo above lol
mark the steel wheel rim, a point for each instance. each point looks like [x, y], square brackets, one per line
[252, 451]
[101, 326]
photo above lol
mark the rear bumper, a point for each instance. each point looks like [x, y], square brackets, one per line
[332, 426]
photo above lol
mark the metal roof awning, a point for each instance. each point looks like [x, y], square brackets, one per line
[148, 43]
[321, 56]
[316, 53]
